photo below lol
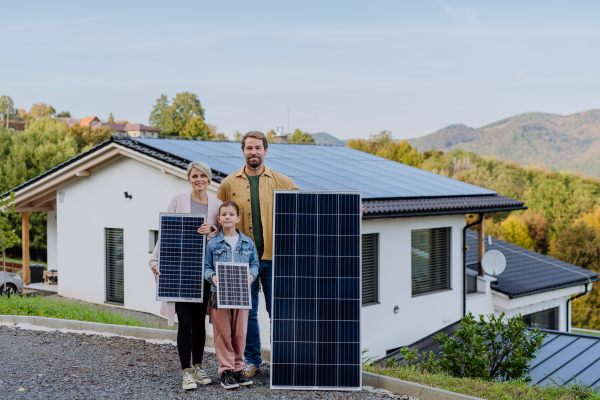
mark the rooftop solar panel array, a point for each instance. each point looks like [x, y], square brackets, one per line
[316, 290]
[325, 168]
[180, 258]
[528, 271]
[233, 285]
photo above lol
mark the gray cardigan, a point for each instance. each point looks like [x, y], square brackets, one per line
[181, 204]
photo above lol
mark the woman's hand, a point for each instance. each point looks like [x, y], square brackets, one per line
[155, 272]
[214, 279]
[205, 229]
[251, 278]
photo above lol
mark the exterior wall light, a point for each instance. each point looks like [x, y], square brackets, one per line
[396, 310]
[128, 196]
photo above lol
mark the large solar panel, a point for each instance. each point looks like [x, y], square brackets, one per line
[180, 258]
[316, 305]
[233, 285]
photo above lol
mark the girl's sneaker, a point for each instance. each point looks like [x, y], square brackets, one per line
[200, 376]
[241, 379]
[228, 381]
[188, 380]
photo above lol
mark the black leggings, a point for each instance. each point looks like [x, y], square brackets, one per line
[191, 333]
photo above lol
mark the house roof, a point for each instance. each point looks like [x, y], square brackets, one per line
[86, 121]
[126, 127]
[564, 357]
[390, 189]
[528, 272]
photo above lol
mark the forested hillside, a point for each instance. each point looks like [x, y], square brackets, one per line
[569, 142]
[563, 219]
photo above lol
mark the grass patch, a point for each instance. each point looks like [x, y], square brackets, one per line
[575, 330]
[20, 261]
[39, 306]
[486, 389]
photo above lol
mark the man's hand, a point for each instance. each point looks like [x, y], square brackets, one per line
[362, 210]
[251, 278]
[155, 272]
[214, 279]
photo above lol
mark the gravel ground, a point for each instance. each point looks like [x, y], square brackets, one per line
[43, 365]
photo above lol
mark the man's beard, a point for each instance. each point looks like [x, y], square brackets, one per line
[254, 162]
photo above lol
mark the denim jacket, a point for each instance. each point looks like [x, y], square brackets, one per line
[218, 249]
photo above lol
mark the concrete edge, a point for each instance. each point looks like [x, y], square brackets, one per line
[394, 385]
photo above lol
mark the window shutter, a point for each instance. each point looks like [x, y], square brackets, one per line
[113, 240]
[430, 260]
[547, 319]
[370, 268]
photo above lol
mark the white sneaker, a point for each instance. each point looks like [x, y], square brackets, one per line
[200, 376]
[188, 380]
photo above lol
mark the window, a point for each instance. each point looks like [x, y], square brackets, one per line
[430, 260]
[152, 240]
[114, 260]
[547, 319]
[370, 268]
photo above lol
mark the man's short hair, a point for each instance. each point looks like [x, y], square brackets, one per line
[256, 135]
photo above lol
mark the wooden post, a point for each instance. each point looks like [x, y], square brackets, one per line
[480, 245]
[25, 244]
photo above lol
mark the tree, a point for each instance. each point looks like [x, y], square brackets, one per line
[537, 225]
[196, 127]
[299, 137]
[515, 231]
[579, 245]
[221, 137]
[111, 119]
[159, 117]
[553, 199]
[238, 136]
[7, 106]
[586, 310]
[64, 114]
[185, 107]
[41, 110]
[8, 237]
[269, 136]
[86, 137]
[174, 118]
[592, 220]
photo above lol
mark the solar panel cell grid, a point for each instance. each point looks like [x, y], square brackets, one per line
[233, 285]
[316, 290]
[180, 258]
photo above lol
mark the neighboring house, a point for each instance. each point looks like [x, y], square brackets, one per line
[534, 285]
[413, 271]
[69, 121]
[131, 130]
[89, 121]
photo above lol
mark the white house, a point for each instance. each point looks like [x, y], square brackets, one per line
[104, 204]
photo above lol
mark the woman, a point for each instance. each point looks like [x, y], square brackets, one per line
[191, 333]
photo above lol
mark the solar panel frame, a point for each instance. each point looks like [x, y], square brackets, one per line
[183, 299]
[246, 267]
[359, 300]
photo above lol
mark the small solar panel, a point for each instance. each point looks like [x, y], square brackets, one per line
[316, 300]
[233, 285]
[180, 258]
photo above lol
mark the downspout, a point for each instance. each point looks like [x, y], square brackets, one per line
[569, 300]
[465, 261]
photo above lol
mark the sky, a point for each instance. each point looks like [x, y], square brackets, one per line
[349, 68]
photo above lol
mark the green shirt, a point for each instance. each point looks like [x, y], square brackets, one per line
[257, 230]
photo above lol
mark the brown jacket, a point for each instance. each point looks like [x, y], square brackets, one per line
[236, 188]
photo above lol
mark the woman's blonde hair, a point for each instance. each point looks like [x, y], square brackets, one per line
[200, 166]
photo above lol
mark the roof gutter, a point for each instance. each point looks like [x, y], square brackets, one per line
[568, 301]
[544, 290]
[464, 251]
[434, 213]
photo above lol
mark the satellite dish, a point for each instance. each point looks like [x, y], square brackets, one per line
[493, 262]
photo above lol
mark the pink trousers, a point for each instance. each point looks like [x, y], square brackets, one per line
[229, 327]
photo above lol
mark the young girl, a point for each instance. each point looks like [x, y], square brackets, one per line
[229, 325]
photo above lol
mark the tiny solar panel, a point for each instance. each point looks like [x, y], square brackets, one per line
[316, 299]
[180, 258]
[233, 285]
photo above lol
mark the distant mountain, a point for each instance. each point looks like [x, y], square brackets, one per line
[562, 142]
[326, 138]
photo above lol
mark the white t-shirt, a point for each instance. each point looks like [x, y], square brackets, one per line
[232, 242]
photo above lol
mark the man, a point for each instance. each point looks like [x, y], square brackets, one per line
[251, 188]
